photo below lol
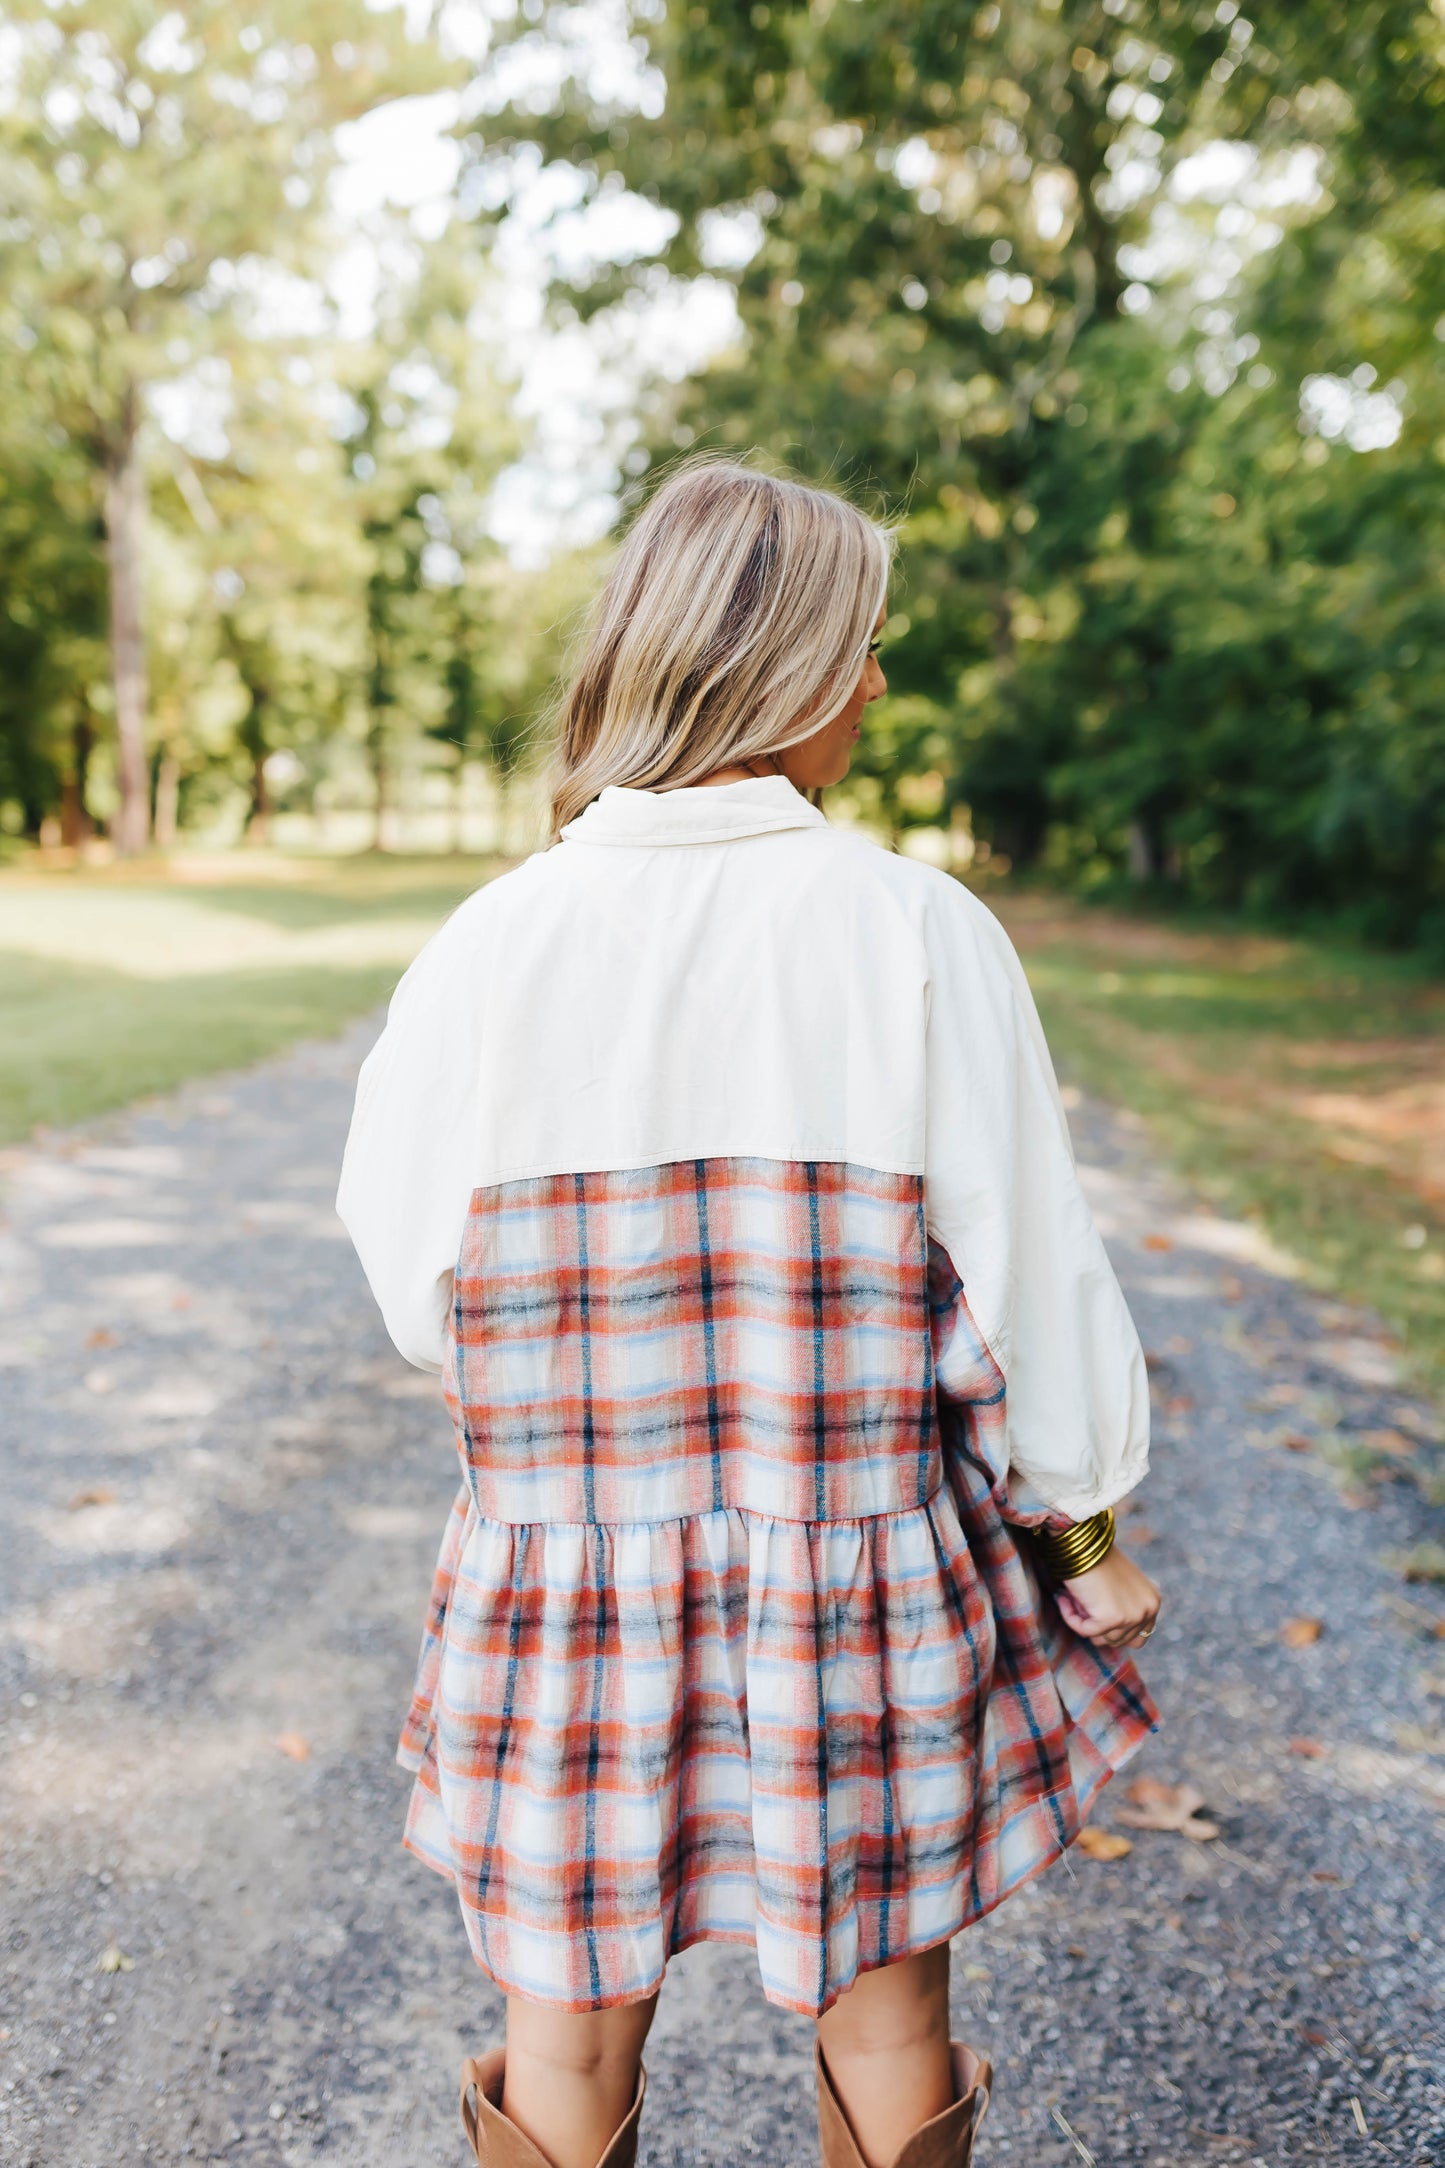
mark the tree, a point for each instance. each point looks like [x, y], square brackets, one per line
[52, 617]
[431, 428]
[935, 204]
[162, 172]
[1163, 613]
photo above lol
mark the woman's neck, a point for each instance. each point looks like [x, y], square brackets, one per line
[742, 771]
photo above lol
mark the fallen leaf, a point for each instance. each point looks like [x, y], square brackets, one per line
[180, 1302]
[1438, 1629]
[1103, 1843]
[101, 1337]
[1314, 2036]
[114, 1959]
[1295, 1441]
[1179, 1405]
[1140, 1532]
[1301, 1633]
[1309, 1749]
[1420, 1739]
[1391, 1442]
[1157, 1242]
[1174, 1807]
[294, 1744]
[1426, 1562]
[1076, 1949]
[100, 1496]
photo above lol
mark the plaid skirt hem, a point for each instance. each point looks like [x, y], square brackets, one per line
[840, 1742]
[746, 1938]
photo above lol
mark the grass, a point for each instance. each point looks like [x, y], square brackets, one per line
[1295, 1084]
[116, 983]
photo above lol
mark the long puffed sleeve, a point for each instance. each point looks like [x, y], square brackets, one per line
[411, 1157]
[1004, 1200]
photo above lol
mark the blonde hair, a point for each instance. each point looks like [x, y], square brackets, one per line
[734, 623]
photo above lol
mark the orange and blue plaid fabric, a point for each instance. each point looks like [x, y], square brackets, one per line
[730, 1637]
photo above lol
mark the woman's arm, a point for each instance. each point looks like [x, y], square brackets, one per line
[1004, 1201]
[412, 1154]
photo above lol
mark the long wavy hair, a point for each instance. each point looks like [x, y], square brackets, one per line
[733, 623]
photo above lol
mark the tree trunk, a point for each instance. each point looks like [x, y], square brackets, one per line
[125, 521]
[1100, 282]
[381, 782]
[1145, 850]
[258, 820]
[168, 799]
[75, 821]
[459, 806]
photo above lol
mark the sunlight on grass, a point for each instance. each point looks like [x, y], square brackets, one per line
[161, 936]
[1292, 1084]
[114, 985]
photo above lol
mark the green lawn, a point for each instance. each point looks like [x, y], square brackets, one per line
[1296, 1085]
[118, 983]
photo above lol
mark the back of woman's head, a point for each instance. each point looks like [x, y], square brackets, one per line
[734, 622]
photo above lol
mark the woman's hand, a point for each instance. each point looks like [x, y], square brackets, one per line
[1115, 1603]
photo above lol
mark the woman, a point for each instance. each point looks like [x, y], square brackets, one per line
[715, 1158]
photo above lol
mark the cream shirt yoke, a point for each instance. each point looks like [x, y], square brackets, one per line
[719, 973]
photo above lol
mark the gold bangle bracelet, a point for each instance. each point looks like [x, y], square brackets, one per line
[1068, 1552]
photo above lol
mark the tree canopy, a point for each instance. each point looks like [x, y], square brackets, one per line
[1130, 316]
[1133, 315]
[232, 529]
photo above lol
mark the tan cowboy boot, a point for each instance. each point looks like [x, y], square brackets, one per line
[944, 2142]
[497, 2142]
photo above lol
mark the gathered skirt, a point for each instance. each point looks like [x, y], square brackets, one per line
[840, 1741]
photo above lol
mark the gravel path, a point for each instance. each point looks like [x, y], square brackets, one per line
[223, 1497]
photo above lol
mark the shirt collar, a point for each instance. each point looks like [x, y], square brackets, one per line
[705, 813]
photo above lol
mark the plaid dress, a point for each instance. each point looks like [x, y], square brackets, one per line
[732, 1636]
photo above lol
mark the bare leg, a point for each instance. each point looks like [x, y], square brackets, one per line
[886, 2046]
[572, 2076]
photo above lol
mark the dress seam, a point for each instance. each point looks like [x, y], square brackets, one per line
[747, 1513]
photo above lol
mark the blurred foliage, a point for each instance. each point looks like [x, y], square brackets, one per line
[307, 520]
[1130, 315]
[1120, 306]
[163, 175]
[52, 616]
